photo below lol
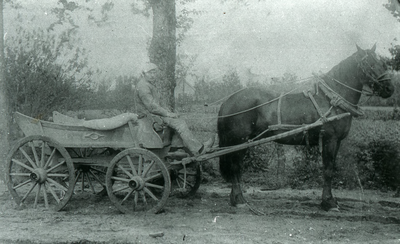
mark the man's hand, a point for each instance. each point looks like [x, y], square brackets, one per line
[172, 115]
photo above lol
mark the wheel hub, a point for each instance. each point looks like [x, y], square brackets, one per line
[39, 175]
[136, 183]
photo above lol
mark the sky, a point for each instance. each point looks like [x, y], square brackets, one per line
[268, 37]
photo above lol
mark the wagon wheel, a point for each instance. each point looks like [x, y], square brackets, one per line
[138, 180]
[40, 172]
[187, 180]
[90, 177]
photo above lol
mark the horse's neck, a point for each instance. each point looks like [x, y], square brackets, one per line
[345, 72]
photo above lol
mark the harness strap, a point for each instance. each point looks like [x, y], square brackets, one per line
[310, 95]
[338, 101]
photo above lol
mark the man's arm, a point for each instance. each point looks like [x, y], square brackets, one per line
[149, 102]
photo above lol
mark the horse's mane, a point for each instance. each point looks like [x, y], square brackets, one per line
[343, 69]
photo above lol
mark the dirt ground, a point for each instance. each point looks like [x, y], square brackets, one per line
[291, 216]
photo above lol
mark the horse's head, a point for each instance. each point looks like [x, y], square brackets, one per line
[374, 72]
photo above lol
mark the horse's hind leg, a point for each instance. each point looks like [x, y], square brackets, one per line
[231, 170]
[329, 153]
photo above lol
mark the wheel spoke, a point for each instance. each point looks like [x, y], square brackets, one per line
[143, 198]
[153, 177]
[120, 179]
[121, 189]
[98, 171]
[125, 171]
[90, 182]
[28, 157]
[56, 166]
[147, 169]
[20, 174]
[37, 195]
[50, 159]
[46, 201]
[43, 154]
[135, 203]
[57, 175]
[96, 178]
[57, 184]
[140, 166]
[53, 193]
[22, 165]
[127, 196]
[22, 184]
[132, 165]
[150, 194]
[34, 153]
[28, 192]
[77, 177]
[83, 181]
[154, 186]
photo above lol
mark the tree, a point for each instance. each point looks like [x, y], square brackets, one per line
[162, 50]
[4, 115]
[394, 7]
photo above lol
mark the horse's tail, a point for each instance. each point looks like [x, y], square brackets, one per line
[230, 165]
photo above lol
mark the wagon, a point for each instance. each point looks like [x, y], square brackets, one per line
[137, 161]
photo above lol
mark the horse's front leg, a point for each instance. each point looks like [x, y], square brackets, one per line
[236, 196]
[329, 152]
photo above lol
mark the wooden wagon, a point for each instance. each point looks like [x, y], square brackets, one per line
[138, 162]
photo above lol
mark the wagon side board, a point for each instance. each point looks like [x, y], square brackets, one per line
[70, 136]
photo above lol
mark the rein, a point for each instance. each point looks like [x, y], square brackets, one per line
[260, 105]
[363, 92]
[336, 99]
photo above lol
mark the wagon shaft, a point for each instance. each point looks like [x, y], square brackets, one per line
[249, 144]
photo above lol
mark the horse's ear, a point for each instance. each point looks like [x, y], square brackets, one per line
[359, 48]
[373, 48]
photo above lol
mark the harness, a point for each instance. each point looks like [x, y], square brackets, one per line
[335, 99]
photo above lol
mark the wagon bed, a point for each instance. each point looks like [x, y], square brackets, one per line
[71, 133]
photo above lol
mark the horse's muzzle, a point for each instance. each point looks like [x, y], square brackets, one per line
[386, 88]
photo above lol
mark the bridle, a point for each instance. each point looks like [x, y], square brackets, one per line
[368, 70]
[338, 101]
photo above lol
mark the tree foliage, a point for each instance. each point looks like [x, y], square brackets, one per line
[44, 73]
[394, 8]
[211, 91]
[120, 97]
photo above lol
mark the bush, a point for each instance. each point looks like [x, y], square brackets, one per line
[306, 170]
[43, 73]
[379, 163]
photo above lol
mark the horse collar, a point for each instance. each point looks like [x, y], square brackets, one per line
[338, 101]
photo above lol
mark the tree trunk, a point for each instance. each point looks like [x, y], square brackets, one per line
[4, 115]
[162, 49]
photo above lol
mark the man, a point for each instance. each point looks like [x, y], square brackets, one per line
[149, 102]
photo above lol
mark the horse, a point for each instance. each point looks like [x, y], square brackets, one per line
[255, 113]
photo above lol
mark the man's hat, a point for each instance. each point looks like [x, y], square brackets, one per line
[148, 67]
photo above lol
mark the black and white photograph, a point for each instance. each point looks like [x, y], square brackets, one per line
[199, 121]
